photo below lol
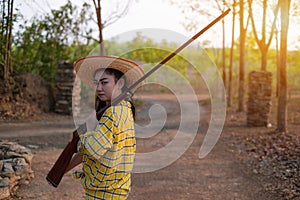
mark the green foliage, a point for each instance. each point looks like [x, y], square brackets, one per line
[144, 50]
[39, 46]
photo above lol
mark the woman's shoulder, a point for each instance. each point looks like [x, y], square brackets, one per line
[123, 104]
[118, 108]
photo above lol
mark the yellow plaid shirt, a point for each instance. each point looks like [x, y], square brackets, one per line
[108, 155]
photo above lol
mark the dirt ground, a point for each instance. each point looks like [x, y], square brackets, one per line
[220, 176]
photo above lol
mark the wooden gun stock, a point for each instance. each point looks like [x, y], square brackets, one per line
[57, 171]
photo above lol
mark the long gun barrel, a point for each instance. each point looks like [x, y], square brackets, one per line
[57, 171]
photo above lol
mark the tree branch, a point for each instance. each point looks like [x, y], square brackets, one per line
[273, 24]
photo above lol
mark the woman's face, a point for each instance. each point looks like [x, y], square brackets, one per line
[106, 86]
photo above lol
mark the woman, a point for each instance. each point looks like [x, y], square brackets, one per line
[107, 152]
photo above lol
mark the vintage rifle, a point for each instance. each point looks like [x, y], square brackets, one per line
[58, 170]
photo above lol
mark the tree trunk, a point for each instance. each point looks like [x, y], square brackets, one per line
[100, 26]
[277, 64]
[223, 54]
[282, 98]
[101, 32]
[264, 57]
[242, 58]
[8, 34]
[231, 56]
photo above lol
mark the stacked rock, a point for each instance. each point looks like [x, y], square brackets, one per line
[68, 90]
[15, 167]
[259, 100]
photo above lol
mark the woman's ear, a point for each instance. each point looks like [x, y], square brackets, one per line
[121, 83]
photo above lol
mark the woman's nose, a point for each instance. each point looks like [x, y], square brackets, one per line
[98, 87]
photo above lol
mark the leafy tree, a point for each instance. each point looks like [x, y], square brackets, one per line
[39, 46]
[154, 53]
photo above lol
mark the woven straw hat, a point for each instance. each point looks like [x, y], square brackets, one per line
[85, 68]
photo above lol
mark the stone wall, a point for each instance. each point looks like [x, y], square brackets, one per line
[259, 99]
[15, 167]
[68, 90]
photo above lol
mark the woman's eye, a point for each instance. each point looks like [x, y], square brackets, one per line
[103, 82]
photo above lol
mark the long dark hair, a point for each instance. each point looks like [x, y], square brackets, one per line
[118, 75]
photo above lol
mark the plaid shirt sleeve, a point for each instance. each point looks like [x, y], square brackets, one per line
[97, 142]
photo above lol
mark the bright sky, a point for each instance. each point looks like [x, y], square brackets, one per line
[145, 14]
[142, 14]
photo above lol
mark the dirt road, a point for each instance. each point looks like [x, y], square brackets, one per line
[219, 176]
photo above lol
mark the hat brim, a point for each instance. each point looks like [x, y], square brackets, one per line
[85, 68]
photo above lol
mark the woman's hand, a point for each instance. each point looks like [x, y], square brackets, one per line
[89, 125]
[76, 160]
